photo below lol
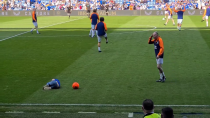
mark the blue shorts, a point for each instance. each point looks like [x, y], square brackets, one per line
[53, 85]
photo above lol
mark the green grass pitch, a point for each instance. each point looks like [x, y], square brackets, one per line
[124, 73]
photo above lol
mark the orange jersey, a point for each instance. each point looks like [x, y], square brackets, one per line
[159, 47]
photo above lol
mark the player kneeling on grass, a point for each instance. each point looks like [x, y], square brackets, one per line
[34, 20]
[159, 52]
[180, 14]
[101, 32]
[54, 84]
[206, 15]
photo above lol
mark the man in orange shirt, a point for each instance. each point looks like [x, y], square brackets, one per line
[159, 52]
[34, 20]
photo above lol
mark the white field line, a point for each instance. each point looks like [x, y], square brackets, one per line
[100, 105]
[40, 28]
[78, 35]
[86, 112]
[51, 112]
[14, 112]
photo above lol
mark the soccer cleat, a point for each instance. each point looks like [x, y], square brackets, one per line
[38, 33]
[99, 51]
[160, 80]
[31, 32]
[173, 24]
[164, 79]
[106, 42]
[165, 24]
[202, 20]
[89, 35]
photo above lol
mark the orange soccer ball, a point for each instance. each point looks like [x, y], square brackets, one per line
[75, 85]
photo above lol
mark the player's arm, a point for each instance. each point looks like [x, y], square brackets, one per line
[98, 17]
[184, 9]
[33, 16]
[175, 10]
[91, 16]
[96, 27]
[105, 27]
[161, 47]
[150, 40]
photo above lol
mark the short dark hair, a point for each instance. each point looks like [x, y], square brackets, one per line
[148, 104]
[101, 18]
[94, 10]
[167, 112]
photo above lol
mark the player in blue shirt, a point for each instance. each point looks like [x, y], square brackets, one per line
[94, 20]
[180, 14]
[54, 84]
[206, 15]
[101, 32]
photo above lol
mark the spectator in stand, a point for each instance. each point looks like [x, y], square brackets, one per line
[148, 109]
[167, 112]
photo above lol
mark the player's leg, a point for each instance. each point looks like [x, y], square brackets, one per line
[169, 17]
[172, 19]
[90, 31]
[180, 24]
[106, 38]
[37, 28]
[93, 30]
[69, 14]
[99, 43]
[207, 23]
[159, 66]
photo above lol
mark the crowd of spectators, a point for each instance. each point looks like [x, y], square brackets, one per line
[98, 4]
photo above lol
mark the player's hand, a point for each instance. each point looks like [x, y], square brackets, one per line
[158, 57]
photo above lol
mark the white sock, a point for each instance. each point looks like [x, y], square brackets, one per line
[179, 28]
[161, 76]
[99, 49]
[93, 31]
[90, 32]
[37, 30]
[207, 23]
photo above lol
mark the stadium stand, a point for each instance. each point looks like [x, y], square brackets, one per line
[99, 4]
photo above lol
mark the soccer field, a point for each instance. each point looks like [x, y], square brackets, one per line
[124, 73]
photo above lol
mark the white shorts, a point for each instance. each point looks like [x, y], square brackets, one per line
[179, 21]
[100, 37]
[207, 17]
[166, 12]
[170, 16]
[159, 61]
[35, 24]
[93, 26]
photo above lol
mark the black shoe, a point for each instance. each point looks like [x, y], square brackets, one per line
[202, 20]
[38, 33]
[160, 80]
[164, 79]
[106, 42]
[99, 51]
[173, 24]
[165, 24]
[89, 35]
